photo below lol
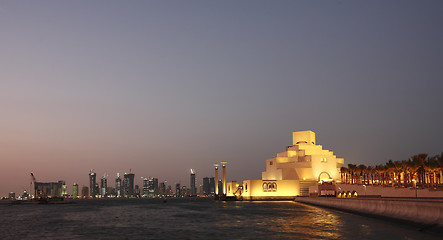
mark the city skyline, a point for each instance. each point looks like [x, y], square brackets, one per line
[126, 188]
[102, 183]
[162, 87]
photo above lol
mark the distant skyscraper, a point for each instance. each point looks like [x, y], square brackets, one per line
[104, 186]
[193, 188]
[206, 186]
[92, 183]
[220, 186]
[212, 185]
[155, 182]
[128, 183]
[162, 188]
[152, 187]
[177, 190]
[145, 187]
[137, 191]
[97, 188]
[75, 190]
[85, 192]
[118, 186]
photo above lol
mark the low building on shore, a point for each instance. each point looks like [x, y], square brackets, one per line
[50, 189]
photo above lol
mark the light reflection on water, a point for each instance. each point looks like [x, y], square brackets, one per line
[192, 219]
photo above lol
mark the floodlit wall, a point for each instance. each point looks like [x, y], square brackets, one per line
[274, 190]
[303, 136]
[231, 188]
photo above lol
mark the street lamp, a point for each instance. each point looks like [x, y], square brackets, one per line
[365, 189]
[415, 184]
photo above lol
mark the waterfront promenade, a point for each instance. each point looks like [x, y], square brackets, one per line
[422, 211]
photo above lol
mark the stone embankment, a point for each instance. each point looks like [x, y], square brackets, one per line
[425, 211]
[387, 191]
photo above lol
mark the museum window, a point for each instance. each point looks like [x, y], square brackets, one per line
[265, 187]
[270, 163]
[274, 187]
[246, 187]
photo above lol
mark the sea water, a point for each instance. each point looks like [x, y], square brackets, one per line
[194, 218]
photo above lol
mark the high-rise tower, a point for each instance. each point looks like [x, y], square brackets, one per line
[75, 190]
[92, 183]
[206, 186]
[193, 188]
[128, 182]
[103, 186]
[118, 186]
[145, 187]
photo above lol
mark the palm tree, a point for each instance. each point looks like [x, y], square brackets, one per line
[362, 169]
[412, 167]
[371, 172]
[390, 166]
[433, 167]
[419, 169]
[379, 171]
[405, 172]
[343, 173]
[420, 160]
[440, 167]
[352, 169]
[383, 174]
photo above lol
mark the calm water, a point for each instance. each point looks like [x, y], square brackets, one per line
[193, 219]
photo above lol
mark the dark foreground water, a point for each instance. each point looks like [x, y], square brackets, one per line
[193, 219]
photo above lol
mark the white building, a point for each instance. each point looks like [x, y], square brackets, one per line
[291, 172]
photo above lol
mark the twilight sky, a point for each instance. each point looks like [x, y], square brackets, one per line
[160, 87]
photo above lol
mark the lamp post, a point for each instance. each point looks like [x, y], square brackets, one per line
[415, 184]
[365, 189]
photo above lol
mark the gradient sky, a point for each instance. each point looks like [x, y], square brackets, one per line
[160, 87]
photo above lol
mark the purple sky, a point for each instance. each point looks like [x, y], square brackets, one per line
[160, 87]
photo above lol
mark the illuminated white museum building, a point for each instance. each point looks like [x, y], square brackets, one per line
[291, 172]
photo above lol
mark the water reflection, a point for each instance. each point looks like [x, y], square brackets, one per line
[289, 220]
[196, 219]
[279, 220]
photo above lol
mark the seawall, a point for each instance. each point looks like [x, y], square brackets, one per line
[425, 211]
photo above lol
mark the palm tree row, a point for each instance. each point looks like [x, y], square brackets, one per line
[418, 171]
